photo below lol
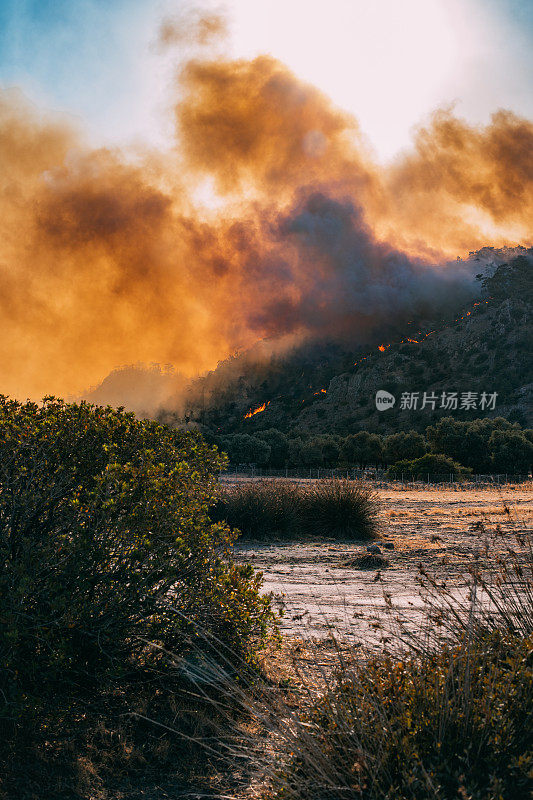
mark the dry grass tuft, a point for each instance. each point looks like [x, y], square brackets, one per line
[274, 509]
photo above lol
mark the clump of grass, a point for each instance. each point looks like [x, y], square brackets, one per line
[368, 561]
[274, 509]
[340, 508]
[262, 509]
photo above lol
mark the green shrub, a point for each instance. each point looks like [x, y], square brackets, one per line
[108, 559]
[245, 449]
[362, 448]
[435, 465]
[279, 446]
[311, 453]
[330, 450]
[511, 451]
[403, 445]
[466, 442]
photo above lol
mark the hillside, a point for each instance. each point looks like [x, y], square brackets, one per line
[486, 347]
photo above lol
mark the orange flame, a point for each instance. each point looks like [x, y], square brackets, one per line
[257, 410]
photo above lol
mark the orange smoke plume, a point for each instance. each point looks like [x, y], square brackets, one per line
[105, 261]
[465, 186]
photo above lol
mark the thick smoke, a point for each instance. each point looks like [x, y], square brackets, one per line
[107, 260]
[465, 185]
[358, 282]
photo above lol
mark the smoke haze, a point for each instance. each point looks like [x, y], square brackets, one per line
[109, 259]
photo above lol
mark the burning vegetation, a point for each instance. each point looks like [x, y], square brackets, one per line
[424, 335]
[258, 410]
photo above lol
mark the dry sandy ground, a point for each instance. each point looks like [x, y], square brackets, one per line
[444, 531]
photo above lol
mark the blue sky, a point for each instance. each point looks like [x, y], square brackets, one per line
[95, 60]
[83, 57]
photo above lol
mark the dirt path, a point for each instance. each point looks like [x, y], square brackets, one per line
[444, 531]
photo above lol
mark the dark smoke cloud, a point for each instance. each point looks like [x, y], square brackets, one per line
[358, 280]
[333, 278]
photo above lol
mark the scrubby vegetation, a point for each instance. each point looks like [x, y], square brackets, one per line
[111, 573]
[272, 509]
[130, 639]
[455, 723]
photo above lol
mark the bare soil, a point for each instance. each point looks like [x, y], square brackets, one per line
[323, 593]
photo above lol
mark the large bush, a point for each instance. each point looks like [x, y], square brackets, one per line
[362, 448]
[279, 446]
[245, 449]
[467, 443]
[403, 445]
[108, 558]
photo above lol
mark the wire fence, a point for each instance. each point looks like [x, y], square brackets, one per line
[378, 477]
